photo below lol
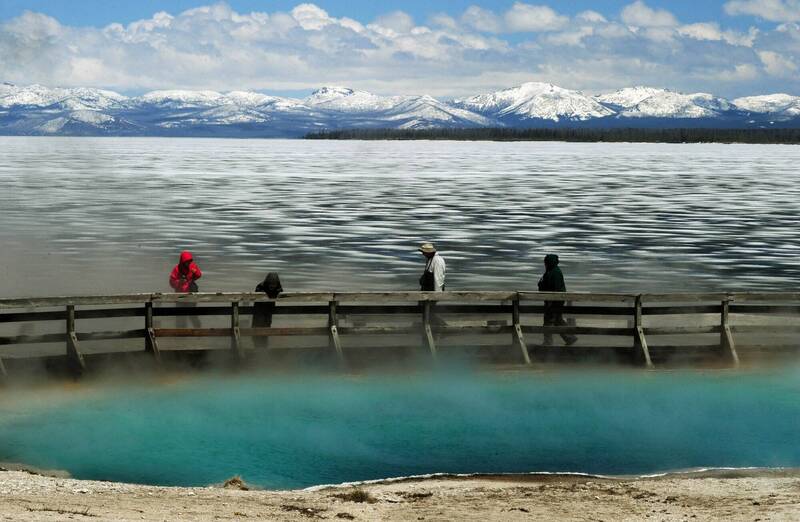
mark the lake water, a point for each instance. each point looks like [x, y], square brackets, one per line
[86, 215]
[290, 432]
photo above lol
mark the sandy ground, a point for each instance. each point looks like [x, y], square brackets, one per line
[731, 496]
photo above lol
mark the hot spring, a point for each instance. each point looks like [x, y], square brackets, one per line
[298, 431]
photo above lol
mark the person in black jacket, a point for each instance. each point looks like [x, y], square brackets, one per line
[553, 281]
[263, 310]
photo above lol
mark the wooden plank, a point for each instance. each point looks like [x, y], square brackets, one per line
[680, 330]
[678, 310]
[109, 313]
[578, 330]
[765, 328]
[687, 297]
[577, 296]
[32, 339]
[639, 339]
[726, 336]
[192, 332]
[377, 330]
[333, 336]
[284, 331]
[73, 346]
[172, 311]
[110, 335]
[21, 317]
[426, 328]
[518, 338]
[764, 309]
[387, 297]
[236, 338]
[150, 342]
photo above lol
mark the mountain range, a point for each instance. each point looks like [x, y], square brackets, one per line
[38, 110]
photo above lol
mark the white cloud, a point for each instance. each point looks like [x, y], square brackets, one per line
[639, 14]
[712, 32]
[778, 65]
[397, 21]
[482, 20]
[591, 16]
[215, 47]
[524, 17]
[772, 10]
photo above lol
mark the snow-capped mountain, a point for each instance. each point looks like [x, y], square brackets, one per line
[777, 106]
[531, 101]
[36, 109]
[649, 102]
[404, 112]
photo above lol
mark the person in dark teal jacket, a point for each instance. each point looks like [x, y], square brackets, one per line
[553, 281]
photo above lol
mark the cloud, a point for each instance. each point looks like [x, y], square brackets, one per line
[712, 32]
[482, 20]
[778, 65]
[772, 10]
[533, 18]
[638, 14]
[216, 47]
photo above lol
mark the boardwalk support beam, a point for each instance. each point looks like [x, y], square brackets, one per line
[333, 331]
[150, 343]
[726, 342]
[519, 340]
[73, 347]
[639, 341]
[236, 336]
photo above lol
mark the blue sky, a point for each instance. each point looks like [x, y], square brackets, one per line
[453, 48]
[103, 12]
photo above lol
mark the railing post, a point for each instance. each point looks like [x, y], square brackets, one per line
[150, 343]
[236, 338]
[73, 347]
[639, 341]
[726, 342]
[333, 331]
[426, 327]
[519, 340]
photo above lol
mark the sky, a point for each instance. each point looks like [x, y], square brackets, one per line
[447, 48]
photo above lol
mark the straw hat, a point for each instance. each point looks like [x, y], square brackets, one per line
[427, 248]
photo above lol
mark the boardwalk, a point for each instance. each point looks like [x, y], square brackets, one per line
[355, 329]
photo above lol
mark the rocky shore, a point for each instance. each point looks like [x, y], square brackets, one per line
[742, 495]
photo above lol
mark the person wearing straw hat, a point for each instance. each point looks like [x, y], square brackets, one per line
[432, 279]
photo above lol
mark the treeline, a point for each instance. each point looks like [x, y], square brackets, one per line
[784, 136]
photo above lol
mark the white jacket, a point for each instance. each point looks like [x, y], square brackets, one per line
[439, 269]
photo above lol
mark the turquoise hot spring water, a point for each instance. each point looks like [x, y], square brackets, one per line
[303, 430]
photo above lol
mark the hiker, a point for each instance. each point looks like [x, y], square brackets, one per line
[553, 281]
[432, 279]
[263, 310]
[185, 274]
[183, 279]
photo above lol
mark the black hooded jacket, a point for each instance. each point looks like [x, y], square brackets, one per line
[553, 279]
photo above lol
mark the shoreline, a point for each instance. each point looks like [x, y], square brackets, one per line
[739, 494]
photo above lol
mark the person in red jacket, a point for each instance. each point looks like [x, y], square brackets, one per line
[186, 272]
[182, 280]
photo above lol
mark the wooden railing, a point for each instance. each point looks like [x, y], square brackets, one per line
[626, 324]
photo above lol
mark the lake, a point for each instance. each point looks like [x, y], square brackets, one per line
[108, 215]
[296, 431]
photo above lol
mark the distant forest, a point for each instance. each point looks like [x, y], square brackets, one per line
[779, 136]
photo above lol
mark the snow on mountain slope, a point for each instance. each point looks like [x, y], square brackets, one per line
[179, 99]
[401, 111]
[535, 100]
[781, 105]
[80, 98]
[648, 102]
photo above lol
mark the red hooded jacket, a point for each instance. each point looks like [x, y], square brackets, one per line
[184, 273]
